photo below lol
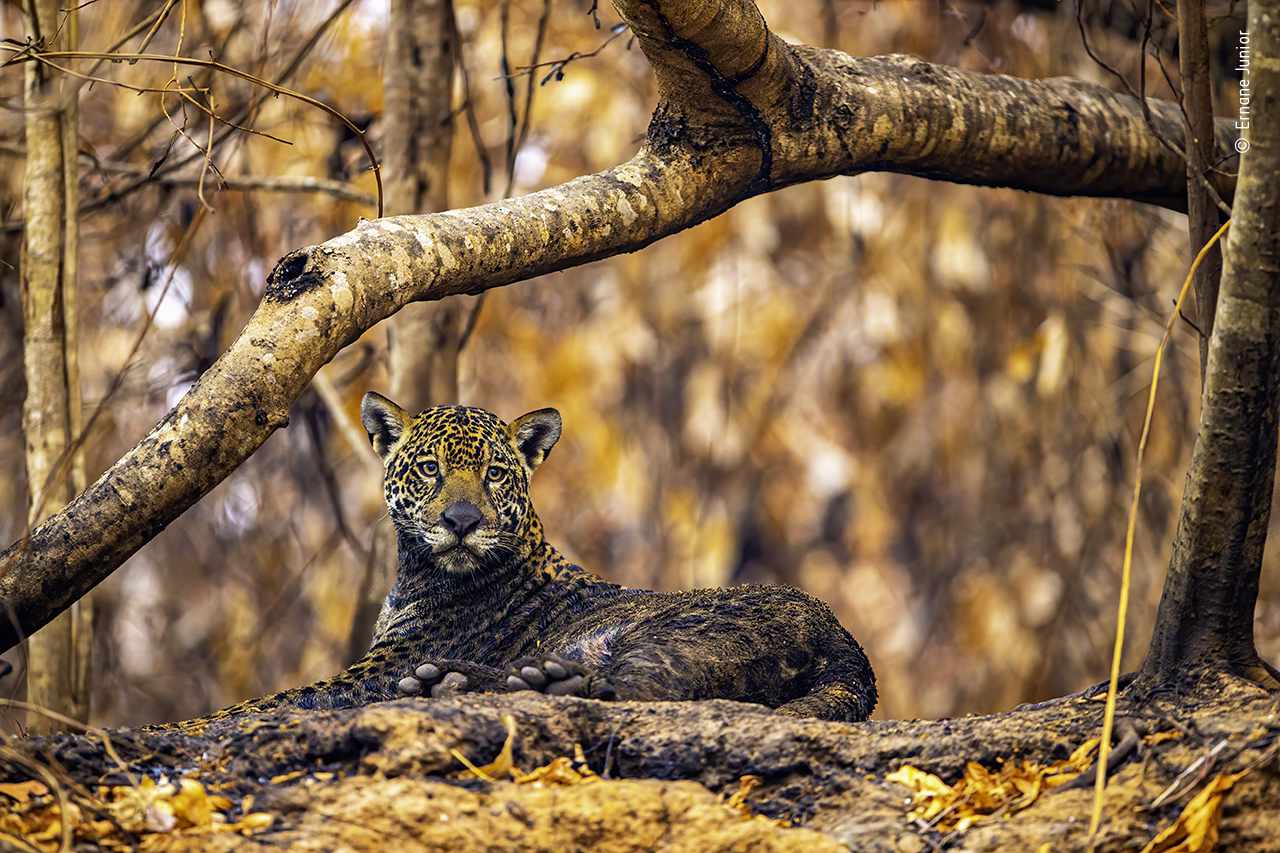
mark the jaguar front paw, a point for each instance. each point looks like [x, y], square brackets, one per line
[438, 680]
[556, 676]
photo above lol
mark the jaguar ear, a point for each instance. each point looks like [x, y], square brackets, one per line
[535, 434]
[384, 421]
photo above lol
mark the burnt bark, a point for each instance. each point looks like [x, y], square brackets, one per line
[1202, 212]
[740, 113]
[1206, 609]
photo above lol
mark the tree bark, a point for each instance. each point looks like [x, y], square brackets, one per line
[1202, 214]
[1206, 609]
[424, 340]
[57, 660]
[740, 113]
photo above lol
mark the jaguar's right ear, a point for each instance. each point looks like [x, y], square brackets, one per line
[384, 421]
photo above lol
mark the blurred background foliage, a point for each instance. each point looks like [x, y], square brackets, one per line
[918, 401]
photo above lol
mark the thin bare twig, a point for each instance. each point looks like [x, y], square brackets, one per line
[558, 66]
[70, 722]
[234, 183]
[245, 114]
[155, 28]
[276, 184]
[1191, 768]
[1113, 684]
[1141, 97]
[118, 380]
[231, 71]
[509, 92]
[472, 319]
[534, 56]
[352, 434]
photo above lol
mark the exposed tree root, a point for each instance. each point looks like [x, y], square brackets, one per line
[1188, 678]
[1262, 674]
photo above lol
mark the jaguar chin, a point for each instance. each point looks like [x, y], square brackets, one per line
[458, 559]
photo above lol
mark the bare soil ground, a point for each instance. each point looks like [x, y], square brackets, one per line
[632, 776]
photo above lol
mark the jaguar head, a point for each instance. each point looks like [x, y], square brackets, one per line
[457, 480]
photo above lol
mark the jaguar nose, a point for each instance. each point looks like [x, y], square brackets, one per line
[461, 517]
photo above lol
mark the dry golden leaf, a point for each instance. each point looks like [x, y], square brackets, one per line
[153, 809]
[252, 823]
[738, 802]
[49, 822]
[1196, 828]
[738, 799]
[160, 817]
[503, 765]
[982, 793]
[191, 804]
[1161, 737]
[1077, 763]
[561, 771]
[930, 794]
[23, 791]
[96, 830]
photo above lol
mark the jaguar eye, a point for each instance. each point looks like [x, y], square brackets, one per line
[431, 468]
[494, 474]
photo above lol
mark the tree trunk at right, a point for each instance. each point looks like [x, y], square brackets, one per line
[1205, 618]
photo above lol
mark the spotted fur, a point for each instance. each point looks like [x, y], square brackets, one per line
[482, 602]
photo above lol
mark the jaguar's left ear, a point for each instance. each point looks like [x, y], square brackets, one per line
[535, 434]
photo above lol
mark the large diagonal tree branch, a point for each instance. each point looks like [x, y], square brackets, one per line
[739, 113]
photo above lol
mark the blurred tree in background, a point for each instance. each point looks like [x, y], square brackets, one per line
[918, 401]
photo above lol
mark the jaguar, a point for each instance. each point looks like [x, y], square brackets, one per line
[482, 602]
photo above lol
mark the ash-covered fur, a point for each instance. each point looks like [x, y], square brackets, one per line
[482, 602]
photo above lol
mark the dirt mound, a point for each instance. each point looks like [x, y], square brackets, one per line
[534, 772]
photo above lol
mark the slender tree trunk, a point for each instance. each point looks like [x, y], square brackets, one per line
[1202, 213]
[1206, 611]
[58, 663]
[81, 614]
[424, 341]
